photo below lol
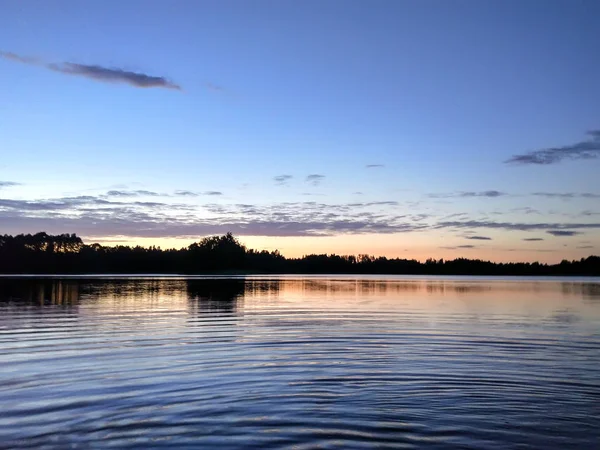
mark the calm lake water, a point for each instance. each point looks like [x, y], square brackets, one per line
[299, 362]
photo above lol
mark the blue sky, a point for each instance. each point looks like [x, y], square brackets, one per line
[107, 109]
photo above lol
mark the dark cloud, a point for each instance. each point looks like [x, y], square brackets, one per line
[186, 194]
[375, 166]
[488, 194]
[97, 73]
[315, 179]
[479, 238]
[282, 179]
[565, 233]
[473, 224]
[533, 239]
[537, 250]
[4, 184]
[565, 195]
[587, 149]
[113, 75]
[459, 246]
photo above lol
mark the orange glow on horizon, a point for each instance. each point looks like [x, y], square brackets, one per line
[419, 246]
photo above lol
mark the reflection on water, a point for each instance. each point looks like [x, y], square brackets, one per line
[302, 362]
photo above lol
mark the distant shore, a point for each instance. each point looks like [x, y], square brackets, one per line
[67, 254]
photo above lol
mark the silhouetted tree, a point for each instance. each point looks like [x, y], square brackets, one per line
[66, 253]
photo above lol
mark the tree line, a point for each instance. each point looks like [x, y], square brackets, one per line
[68, 254]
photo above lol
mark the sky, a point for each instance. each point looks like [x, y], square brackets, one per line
[408, 129]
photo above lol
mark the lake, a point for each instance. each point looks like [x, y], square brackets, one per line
[299, 362]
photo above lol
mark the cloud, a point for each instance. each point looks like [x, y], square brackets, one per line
[566, 195]
[138, 193]
[587, 149]
[565, 233]
[488, 194]
[585, 246]
[186, 194]
[101, 216]
[4, 184]
[181, 193]
[374, 166]
[10, 56]
[514, 226]
[532, 239]
[358, 193]
[214, 87]
[525, 210]
[588, 213]
[459, 246]
[282, 179]
[479, 238]
[315, 179]
[97, 73]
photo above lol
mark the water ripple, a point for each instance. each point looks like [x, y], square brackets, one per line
[299, 363]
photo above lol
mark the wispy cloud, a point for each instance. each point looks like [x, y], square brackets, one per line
[97, 216]
[566, 195]
[138, 193]
[96, 72]
[282, 179]
[563, 233]
[182, 193]
[515, 226]
[214, 87]
[588, 213]
[585, 246]
[459, 247]
[4, 184]
[525, 210]
[587, 149]
[10, 56]
[533, 239]
[479, 238]
[468, 194]
[315, 179]
[375, 166]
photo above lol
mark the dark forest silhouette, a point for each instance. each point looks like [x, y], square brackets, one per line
[67, 254]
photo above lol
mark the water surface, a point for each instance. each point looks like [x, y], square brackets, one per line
[299, 362]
